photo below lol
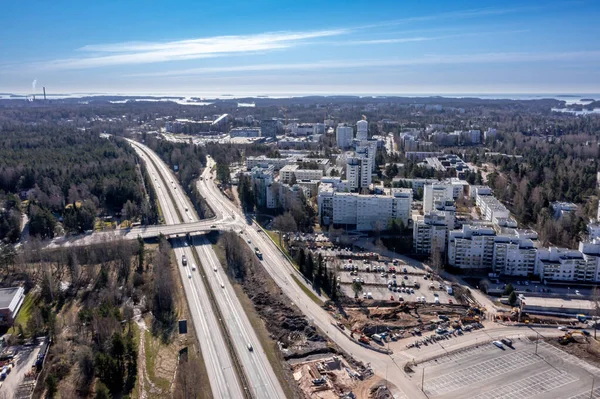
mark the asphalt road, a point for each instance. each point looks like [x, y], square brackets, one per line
[218, 362]
[258, 371]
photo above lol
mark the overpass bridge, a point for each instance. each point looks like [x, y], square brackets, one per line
[146, 232]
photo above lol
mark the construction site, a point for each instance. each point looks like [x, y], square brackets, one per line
[331, 377]
[375, 324]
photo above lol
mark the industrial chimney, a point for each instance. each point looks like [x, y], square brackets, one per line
[44, 93]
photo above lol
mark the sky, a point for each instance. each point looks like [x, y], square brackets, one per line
[263, 47]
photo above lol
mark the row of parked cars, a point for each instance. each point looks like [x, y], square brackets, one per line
[441, 333]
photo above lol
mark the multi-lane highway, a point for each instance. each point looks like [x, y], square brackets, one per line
[219, 365]
[258, 372]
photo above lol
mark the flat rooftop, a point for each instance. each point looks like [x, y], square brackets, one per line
[565, 303]
[7, 295]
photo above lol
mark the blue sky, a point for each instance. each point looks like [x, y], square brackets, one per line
[203, 48]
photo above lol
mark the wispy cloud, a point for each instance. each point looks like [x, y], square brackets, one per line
[481, 58]
[132, 53]
[429, 38]
[154, 52]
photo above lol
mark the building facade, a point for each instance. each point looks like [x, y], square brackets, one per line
[363, 212]
[344, 136]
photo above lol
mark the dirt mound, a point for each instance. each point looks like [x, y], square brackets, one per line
[286, 323]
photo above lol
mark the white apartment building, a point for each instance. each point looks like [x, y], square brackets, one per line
[362, 130]
[472, 247]
[474, 191]
[358, 172]
[564, 264]
[289, 171]
[344, 136]
[491, 209]
[430, 231]
[263, 161]
[308, 174]
[363, 212]
[286, 173]
[318, 128]
[304, 129]
[262, 179]
[436, 194]
[558, 264]
[593, 230]
[415, 184]
[591, 254]
[489, 134]
[514, 256]
[244, 132]
[562, 208]
[368, 148]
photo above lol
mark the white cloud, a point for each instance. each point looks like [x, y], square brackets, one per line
[153, 52]
[481, 58]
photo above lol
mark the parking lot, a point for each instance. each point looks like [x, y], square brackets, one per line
[488, 372]
[384, 284]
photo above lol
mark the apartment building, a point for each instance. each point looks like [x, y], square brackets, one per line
[262, 179]
[263, 161]
[436, 194]
[358, 172]
[490, 208]
[288, 172]
[362, 130]
[363, 212]
[344, 135]
[244, 132]
[472, 247]
[415, 184]
[368, 148]
[563, 208]
[514, 256]
[430, 231]
[558, 264]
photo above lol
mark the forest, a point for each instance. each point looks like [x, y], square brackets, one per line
[549, 169]
[61, 174]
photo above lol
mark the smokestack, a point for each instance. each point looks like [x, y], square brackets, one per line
[44, 93]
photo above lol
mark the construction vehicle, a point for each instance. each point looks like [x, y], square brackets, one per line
[364, 339]
[568, 337]
[378, 338]
[469, 319]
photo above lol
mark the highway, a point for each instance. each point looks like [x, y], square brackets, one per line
[258, 371]
[219, 365]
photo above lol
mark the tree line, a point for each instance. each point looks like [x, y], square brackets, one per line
[66, 175]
